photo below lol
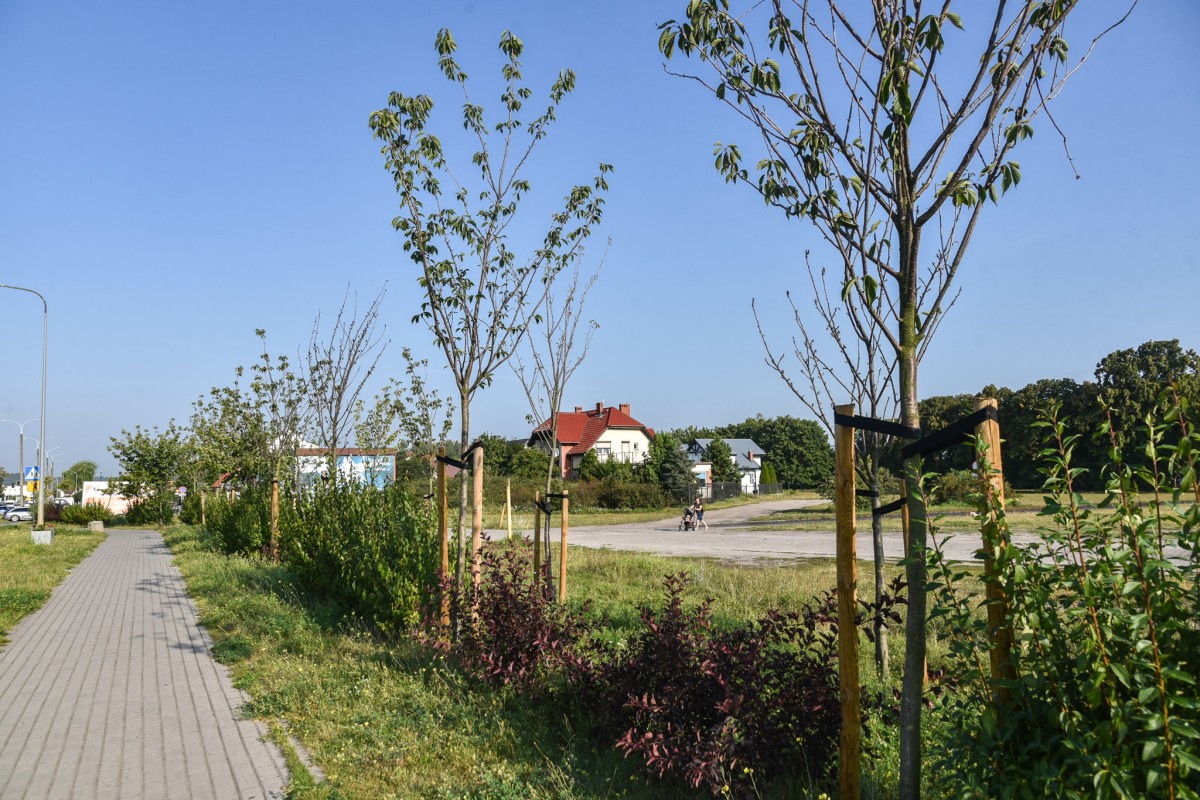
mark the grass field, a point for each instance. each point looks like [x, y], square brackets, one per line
[29, 572]
[384, 720]
[1023, 515]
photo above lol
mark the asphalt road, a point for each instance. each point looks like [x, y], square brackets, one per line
[730, 537]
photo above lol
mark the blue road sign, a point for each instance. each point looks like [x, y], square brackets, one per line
[31, 473]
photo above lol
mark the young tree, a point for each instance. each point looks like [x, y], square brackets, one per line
[151, 463]
[667, 465]
[862, 371]
[339, 365]
[882, 139]
[478, 290]
[554, 355]
[724, 467]
[279, 399]
[228, 435]
[410, 416]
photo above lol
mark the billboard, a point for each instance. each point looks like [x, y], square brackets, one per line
[368, 469]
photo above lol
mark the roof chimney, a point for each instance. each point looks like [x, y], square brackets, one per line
[578, 409]
[624, 407]
[599, 406]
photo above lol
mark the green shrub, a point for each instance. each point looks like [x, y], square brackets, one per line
[1104, 604]
[961, 487]
[240, 525]
[616, 494]
[374, 551]
[154, 511]
[189, 514]
[82, 515]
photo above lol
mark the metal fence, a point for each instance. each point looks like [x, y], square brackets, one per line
[722, 490]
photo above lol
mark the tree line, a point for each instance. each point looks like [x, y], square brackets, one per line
[1126, 391]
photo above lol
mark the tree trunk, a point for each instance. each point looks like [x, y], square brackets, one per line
[913, 685]
[881, 644]
[465, 418]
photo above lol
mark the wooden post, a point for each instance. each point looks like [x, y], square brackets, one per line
[203, 495]
[476, 514]
[562, 552]
[275, 518]
[508, 505]
[444, 536]
[991, 466]
[537, 536]
[847, 593]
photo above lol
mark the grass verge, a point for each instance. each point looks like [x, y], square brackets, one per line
[29, 572]
[382, 719]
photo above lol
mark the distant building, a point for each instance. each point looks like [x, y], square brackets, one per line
[98, 493]
[747, 455]
[368, 467]
[611, 432]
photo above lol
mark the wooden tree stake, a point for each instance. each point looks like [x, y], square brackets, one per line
[275, 518]
[476, 515]
[562, 551]
[849, 749]
[988, 434]
[508, 505]
[444, 536]
[537, 536]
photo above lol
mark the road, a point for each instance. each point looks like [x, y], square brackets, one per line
[730, 537]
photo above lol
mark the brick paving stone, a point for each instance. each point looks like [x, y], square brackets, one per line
[110, 691]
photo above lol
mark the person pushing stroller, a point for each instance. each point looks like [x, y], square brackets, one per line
[697, 509]
[688, 523]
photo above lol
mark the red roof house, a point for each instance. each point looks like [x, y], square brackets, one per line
[612, 432]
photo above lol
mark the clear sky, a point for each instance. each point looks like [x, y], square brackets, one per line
[175, 175]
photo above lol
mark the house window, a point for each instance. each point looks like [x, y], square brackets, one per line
[603, 453]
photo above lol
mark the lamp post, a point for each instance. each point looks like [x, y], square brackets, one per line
[53, 455]
[41, 515]
[20, 455]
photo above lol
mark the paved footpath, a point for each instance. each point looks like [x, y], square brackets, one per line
[109, 691]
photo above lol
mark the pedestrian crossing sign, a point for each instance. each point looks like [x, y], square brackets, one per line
[31, 473]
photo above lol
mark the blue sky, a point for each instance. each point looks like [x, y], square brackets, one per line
[175, 175]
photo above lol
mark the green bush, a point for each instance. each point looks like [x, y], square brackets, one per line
[616, 494]
[82, 515]
[153, 511]
[374, 551]
[240, 525]
[189, 514]
[1104, 605]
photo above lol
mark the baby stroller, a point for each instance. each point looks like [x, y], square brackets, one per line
[688, 523]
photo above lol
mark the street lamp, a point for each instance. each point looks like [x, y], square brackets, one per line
[53, 455]
[21, 454]
[41, 515]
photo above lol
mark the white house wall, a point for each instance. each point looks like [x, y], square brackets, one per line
[630, 446]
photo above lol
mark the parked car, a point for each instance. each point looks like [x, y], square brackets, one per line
[18, 514]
